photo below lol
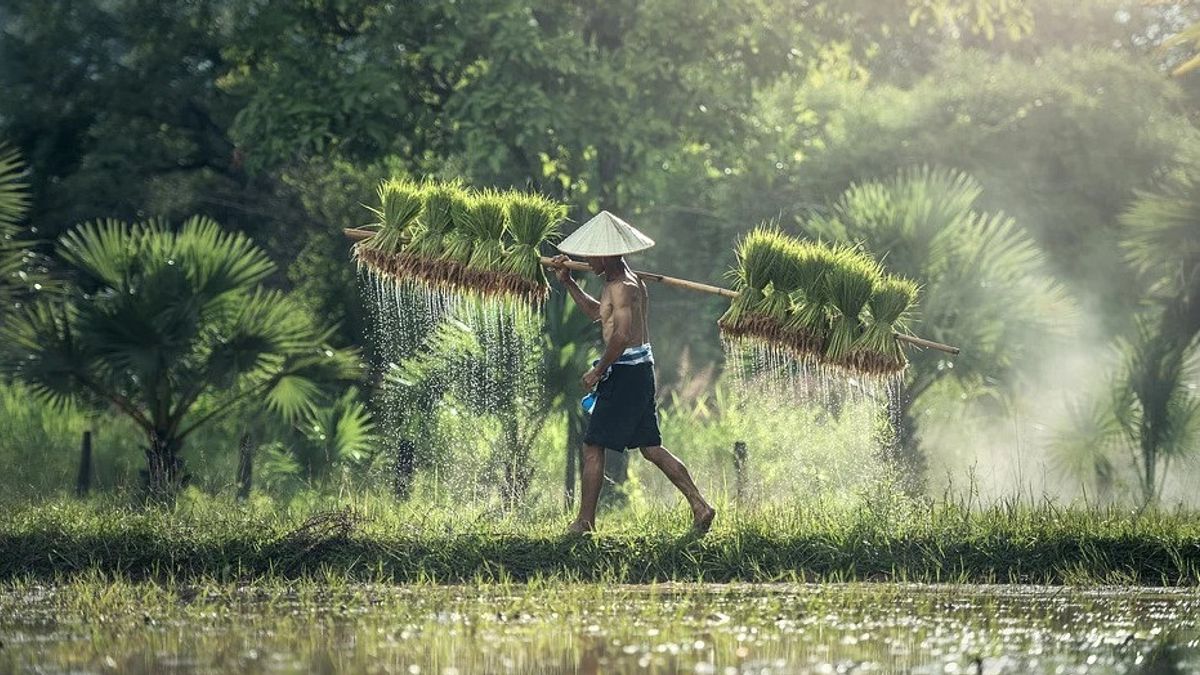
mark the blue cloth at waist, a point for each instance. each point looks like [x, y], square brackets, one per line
[632, 356]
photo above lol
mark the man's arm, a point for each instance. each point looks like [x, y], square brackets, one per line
[589, 305]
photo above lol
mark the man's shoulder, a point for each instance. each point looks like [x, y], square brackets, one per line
[624, 287]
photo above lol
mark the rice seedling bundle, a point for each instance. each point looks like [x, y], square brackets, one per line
[851, 281]
[807, 327]
[773, 310]
[401, 203]
[485, 223]
[436, 219]
[532, 219]
[759, 253]
[830, 303]
[888, 306]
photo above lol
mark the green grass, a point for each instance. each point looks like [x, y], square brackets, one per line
[374, 539]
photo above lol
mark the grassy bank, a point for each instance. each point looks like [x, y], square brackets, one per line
[368, 539]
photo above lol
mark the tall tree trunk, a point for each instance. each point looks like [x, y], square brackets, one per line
[404, 466]
[518, 469]
[1149, 466]
[83, 481]
[575, 431]
[164, 475]
[739, 473]
[245, 477]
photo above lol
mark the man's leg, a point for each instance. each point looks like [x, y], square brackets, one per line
[593, 476]
[702, 512]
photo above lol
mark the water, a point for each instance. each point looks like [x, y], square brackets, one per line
[764, 369]
[850, 417]
[461, 372]
[868, 628]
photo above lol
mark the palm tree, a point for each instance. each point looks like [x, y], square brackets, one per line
[1157, 416]
[17, 277]
[982, 277]
[173, 329]
[1162, 240]
[1148, 415]
[1157, 413]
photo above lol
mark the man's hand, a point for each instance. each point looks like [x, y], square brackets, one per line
[591, 378]
[560, 270]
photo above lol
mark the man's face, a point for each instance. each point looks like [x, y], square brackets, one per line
[597, 264]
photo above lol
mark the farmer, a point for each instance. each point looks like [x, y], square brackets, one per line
[624, 414]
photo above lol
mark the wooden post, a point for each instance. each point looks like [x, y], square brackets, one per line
[245, 476]
[83, 481]
[739, 470]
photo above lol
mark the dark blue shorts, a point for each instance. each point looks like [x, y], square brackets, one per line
[625, 415]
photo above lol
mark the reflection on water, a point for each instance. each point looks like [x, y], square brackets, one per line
[594, 629]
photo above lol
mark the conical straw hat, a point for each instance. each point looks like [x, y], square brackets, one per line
[605, 235]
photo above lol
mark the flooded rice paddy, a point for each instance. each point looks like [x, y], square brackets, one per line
[549, 628]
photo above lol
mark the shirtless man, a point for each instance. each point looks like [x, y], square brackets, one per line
[624, 415]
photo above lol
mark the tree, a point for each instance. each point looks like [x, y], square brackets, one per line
[984, 284]
[1155, 414]
[13, 204]
[1148, 414]
[19, 277]
[172, 329]
[1162, 241]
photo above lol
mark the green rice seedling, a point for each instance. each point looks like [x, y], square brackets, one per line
[851, 281]
[807, 327]
[888, 306]
[436, 220]
[486, 223]
[758, 253]
[532, 220]
[430, 233]
[400, 204]
[784, 278]
[457, 244]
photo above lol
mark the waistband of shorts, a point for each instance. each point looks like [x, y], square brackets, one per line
[633, 356]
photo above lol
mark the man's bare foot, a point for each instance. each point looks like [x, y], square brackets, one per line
[703, 520]
[580, 527]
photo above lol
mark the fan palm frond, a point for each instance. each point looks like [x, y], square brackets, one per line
[14, 193]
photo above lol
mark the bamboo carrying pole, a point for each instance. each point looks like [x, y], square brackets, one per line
[355, 234]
